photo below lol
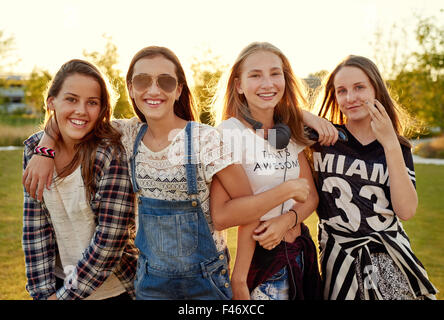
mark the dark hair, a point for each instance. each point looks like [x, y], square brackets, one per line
[184, 107]
[329, 107]
[102, 133]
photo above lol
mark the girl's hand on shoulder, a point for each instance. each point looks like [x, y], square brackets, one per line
[328, 134]
[37, 175]
[382, 124]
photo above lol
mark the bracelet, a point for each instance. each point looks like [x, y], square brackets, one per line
[296, 215]
[45, 152]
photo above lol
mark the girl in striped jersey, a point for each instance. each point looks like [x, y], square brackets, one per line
[366, 186]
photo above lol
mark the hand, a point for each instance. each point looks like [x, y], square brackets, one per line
[299, 189]
[381, 124]
[37, 175]
[271, 232]
[328, 134]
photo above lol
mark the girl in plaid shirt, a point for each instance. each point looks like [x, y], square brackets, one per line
[79, 241]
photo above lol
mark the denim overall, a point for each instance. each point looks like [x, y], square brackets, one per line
[178, 258]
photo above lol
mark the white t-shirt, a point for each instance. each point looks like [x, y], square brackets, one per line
[162, 175]
[74, 227]
[264, 165]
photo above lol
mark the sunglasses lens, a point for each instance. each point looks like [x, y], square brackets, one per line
[167, 83]
[142, 81]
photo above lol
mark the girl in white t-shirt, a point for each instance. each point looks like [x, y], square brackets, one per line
[262, 119]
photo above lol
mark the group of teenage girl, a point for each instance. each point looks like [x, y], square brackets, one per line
[138, 208]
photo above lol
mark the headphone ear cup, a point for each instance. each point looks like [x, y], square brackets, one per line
[282, 136]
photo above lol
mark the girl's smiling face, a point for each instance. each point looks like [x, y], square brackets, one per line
[76, 107]
[152, 101]
[352, 89]
[261, 81]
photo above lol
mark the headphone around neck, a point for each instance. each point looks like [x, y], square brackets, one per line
[280, 133]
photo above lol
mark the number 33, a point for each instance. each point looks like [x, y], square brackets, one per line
[352, 211]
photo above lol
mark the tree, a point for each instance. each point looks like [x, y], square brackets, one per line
[206, 74]
[415, 77]
[107, 62]
[391, 52]
[420, 89]
[35, 87]
[6, 47]
[314, 86]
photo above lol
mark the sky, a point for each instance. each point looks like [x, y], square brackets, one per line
[314, 34]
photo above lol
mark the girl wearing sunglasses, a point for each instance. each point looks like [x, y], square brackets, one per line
[173, 161]
[79, 242]
[366, 186]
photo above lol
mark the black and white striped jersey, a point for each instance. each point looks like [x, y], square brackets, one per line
[356, 217]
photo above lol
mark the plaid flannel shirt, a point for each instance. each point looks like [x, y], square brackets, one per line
[112, 246]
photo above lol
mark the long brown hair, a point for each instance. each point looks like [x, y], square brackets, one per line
[102, 133]
[288, 110]
[184, 107]
[329, 107]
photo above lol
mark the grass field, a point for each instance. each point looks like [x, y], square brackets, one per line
[15, 129]
[425, 229]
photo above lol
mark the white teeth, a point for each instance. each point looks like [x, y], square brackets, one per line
[153, 102]
[266, 94]
[78, 122]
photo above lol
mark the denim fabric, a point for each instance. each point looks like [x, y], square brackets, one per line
[178, 258]
[276, 287]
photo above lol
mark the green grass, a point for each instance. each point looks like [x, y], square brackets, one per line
[12, 271]
[425, 229]
[15, 129]
[19, 120]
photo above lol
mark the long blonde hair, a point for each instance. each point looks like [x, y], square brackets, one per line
[288, 110]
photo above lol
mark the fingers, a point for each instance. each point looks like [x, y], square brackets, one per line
[270, 245]
[261, 228]
[35, 184]
[268, 240]
[33, 187]
[328, 134]
[376, 110]
[381, 108]
[39, 195]
[49, 181]
[25, 180]
[371, 109]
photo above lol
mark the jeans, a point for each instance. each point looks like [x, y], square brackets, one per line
[277, 286]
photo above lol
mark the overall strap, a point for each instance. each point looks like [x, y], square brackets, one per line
[133, 157]
[190, 161]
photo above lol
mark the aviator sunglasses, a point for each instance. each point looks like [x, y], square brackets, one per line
[164, 81]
